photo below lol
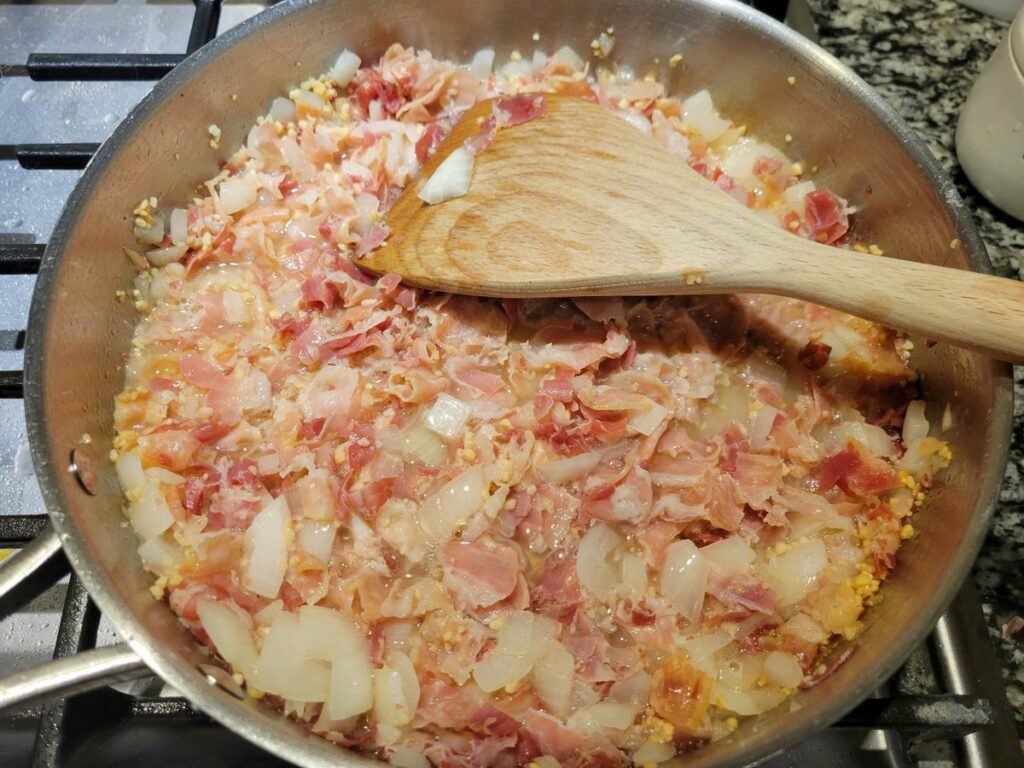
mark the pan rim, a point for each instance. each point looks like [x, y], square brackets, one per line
[236, 717]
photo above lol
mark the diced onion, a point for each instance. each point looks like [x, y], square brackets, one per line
[522, 639]
[793, 574]
[129, 471]
[875, 439]
[447, 416]
[699, 112]
[572, 468]
[452, 505]
[149, 514]
[419, 444]
[568, 56]
[282, 110]
[283, 669]
[307, 102]
[351, 676]
[316, 538]
[596, 572]
[784, 669]
[610, 714]
[634, 575]
[730, 555]
[266, 548]
[154, 233]
[653, 752]
[158, 552]
[450, 179]
[161, 257]
[179, 226]
[806, 628]
[230, 635]
[267, 615]
[396, 690]
[163, 476]
[236, 194]
[235, 309]
[345, 68]
[753, 702]
[483, 61]
[684, 578]
[915, 424]
[552, 678]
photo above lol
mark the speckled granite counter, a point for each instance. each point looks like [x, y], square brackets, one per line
[922, 56]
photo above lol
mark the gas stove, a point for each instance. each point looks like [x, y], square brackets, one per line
[69, 72]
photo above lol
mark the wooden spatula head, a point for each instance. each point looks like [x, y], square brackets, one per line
[575, 202]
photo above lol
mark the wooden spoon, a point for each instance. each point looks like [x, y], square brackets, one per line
[579, 203]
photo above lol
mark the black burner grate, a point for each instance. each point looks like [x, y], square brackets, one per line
[946, 706]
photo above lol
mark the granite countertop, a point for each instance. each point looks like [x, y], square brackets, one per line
[922, 56]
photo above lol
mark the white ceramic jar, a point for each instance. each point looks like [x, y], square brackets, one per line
[990, 134]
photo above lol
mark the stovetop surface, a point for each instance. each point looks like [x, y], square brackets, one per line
[142, 723]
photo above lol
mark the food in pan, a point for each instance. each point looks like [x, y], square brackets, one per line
[463, 531]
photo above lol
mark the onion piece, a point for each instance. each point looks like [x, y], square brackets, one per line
[230, 635]
[569, 57]
[129, 471]
[522, 639]
[396, 690]
[634, 576]
[351, 677]
[611, 714]
[453, 505]
[793, 574]
[158, 552]
[552, 678]
[806, 628]
[179, 226]
[915, 424]
[154, 233]
[149, 514]
[783, 669]
[345, 68]
[266, 549]
[483, 61]
[161, 257]
[731, 555]
[653, 752]
[572, 468]
[236, 194]
[282, 110]
[450, 179]
[699, 113]
[593, 566]
[268, 615]
[283, 669]
[316, 538]
[684, 578]
[875, 439]
[161, 476]
[447, 416]
[753, 702]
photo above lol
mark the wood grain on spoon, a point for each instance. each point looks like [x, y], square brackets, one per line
[580, 203]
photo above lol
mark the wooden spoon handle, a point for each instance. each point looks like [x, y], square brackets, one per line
[969, 309]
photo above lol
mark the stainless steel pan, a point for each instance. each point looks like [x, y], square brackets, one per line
[78, 331]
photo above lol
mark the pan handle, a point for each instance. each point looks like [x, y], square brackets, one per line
[67, 675]
[70, 675]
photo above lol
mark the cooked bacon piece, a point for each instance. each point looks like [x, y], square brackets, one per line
[826, 216]
[516, 110]
[480, 573]
[551, 735]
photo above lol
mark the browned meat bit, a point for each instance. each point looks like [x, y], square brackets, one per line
[814, 356]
